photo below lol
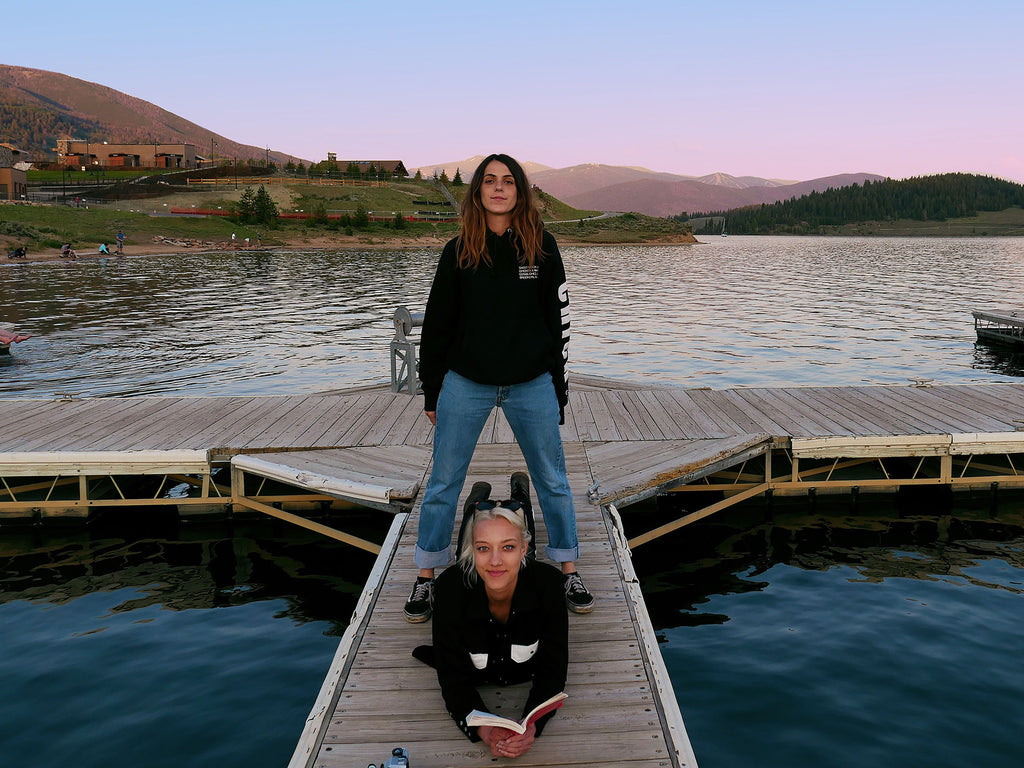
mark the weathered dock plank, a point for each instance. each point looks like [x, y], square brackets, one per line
[691, 419]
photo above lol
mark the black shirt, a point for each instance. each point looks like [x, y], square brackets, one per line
[472, 648]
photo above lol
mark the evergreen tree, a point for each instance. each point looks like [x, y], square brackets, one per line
[264, 208]
[457, 181]
[245, 209]
[256, 207]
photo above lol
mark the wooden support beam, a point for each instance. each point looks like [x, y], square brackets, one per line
[698, 515]
[309, 525]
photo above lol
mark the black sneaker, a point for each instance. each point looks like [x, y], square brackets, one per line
[421, 601]
[519, 491]
[577, 597]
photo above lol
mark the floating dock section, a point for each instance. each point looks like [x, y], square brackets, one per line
[1005, 328]
[285, 456]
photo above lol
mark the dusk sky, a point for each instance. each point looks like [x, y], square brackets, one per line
[785, 90]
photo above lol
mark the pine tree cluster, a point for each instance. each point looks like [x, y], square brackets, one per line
[923, 198]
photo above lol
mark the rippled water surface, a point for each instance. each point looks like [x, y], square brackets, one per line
[737, 311]
[887, 635]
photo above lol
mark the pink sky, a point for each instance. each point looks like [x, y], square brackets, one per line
[791, 90]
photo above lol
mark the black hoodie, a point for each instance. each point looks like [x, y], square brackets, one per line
[499, 324]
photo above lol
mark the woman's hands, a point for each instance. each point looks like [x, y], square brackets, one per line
[432, 415]
[506, 743]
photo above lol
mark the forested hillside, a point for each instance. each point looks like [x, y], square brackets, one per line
[924, 198]
[38, 107]
[36, 129]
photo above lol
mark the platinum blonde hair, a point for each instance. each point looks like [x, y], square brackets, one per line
[466, 559]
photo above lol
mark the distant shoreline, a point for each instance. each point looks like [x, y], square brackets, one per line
[321, 243]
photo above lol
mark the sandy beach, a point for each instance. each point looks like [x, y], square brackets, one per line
[170, 246]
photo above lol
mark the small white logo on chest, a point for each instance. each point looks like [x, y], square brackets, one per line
[528, 273]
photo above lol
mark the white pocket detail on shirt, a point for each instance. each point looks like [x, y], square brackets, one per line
[523, 653]
[479, 660]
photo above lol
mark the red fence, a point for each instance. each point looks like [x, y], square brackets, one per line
[303, 215]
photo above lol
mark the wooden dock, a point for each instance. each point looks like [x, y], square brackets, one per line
[624, 443]
[1004, 328]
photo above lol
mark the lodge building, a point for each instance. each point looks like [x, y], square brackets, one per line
[394, 168]
[92, 154]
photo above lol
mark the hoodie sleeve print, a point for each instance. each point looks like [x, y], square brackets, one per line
[557, 308]
[440, 324]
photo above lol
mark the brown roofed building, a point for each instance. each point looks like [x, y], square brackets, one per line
[395, 168]
[93, 154]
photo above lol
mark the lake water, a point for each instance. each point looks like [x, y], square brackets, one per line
[818, 637]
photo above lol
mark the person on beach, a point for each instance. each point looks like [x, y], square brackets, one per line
[120, 241]
[20, 252]
[499, 619]
[10, 337]
[104, 251]
[496, 332]
[67, 252]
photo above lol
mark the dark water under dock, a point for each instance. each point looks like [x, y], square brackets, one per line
[816, 639]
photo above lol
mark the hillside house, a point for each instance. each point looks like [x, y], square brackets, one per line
[393, 168]
[13, 182]
[91, 154]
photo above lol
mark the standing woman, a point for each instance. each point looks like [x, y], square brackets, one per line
[496, 332]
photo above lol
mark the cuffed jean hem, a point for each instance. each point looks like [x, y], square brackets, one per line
[425, 559]
[557, 555]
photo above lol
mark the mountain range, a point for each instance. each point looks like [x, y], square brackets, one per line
[628, 188]
[38, 107]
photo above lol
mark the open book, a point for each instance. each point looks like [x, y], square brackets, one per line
[476, 717]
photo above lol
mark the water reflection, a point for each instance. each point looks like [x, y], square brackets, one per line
[185, 566]
[912, 535]
[1000, 358]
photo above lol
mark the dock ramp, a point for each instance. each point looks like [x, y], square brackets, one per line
[621, 711]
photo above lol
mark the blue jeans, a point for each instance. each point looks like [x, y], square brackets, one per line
[532, 411]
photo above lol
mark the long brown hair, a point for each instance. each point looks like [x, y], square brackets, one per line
[527, 225]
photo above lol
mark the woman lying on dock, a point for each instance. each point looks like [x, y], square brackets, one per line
[500, 618]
